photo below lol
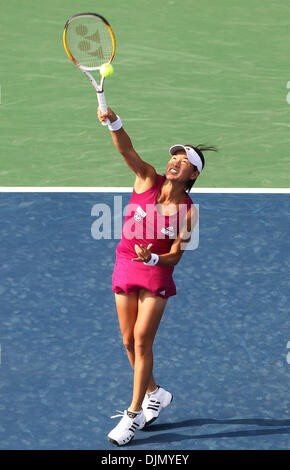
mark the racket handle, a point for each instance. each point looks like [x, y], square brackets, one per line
[103, 105]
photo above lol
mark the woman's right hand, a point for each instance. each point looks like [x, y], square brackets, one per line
[108, 115]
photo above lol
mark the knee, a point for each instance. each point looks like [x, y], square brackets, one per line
[129, 344]
[143, 344]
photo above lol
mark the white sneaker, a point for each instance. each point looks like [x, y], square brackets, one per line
[124, 432]
[154, 402]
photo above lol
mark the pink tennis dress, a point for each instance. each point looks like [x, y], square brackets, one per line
[143, 224]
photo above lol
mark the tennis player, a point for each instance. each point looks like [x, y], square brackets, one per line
[157, 226]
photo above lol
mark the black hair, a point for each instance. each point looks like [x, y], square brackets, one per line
[199, 150]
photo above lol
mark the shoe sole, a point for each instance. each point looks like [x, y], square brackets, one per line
[117, 443]
[154, 419]
[150, 422]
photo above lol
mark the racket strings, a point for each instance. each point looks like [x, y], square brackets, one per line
[89, 41]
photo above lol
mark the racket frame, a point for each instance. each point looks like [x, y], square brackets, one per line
[99, 88]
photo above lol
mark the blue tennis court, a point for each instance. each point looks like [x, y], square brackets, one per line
[221, 348]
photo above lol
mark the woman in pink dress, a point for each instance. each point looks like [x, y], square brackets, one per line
[157, 226]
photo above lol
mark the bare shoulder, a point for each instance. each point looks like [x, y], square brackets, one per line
[146, 180]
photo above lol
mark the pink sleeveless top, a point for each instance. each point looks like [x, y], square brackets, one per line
[143, 223]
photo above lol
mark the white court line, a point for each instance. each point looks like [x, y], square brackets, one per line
[109, 189]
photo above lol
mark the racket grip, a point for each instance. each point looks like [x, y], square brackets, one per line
[103, 106]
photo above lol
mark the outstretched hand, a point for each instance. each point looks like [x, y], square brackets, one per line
[108, 115]
[144, 254]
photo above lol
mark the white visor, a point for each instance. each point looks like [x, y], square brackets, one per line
[192, 155]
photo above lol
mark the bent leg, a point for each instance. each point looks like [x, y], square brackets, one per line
[150, 311]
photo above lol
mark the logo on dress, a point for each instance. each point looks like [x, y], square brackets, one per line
[139, 214]
[169, 231]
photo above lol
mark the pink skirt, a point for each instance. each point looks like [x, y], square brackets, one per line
[130, 276]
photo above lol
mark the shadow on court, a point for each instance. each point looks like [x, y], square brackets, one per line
[191, 423]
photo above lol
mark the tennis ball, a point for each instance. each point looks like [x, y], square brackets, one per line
[106, 70]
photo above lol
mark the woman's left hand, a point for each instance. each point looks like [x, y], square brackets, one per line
[144, 254]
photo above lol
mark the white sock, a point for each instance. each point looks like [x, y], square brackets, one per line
[153, 393]
[135, 412]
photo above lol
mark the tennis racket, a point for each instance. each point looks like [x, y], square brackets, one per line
[89, 42]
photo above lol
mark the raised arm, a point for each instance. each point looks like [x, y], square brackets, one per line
[145, 173]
